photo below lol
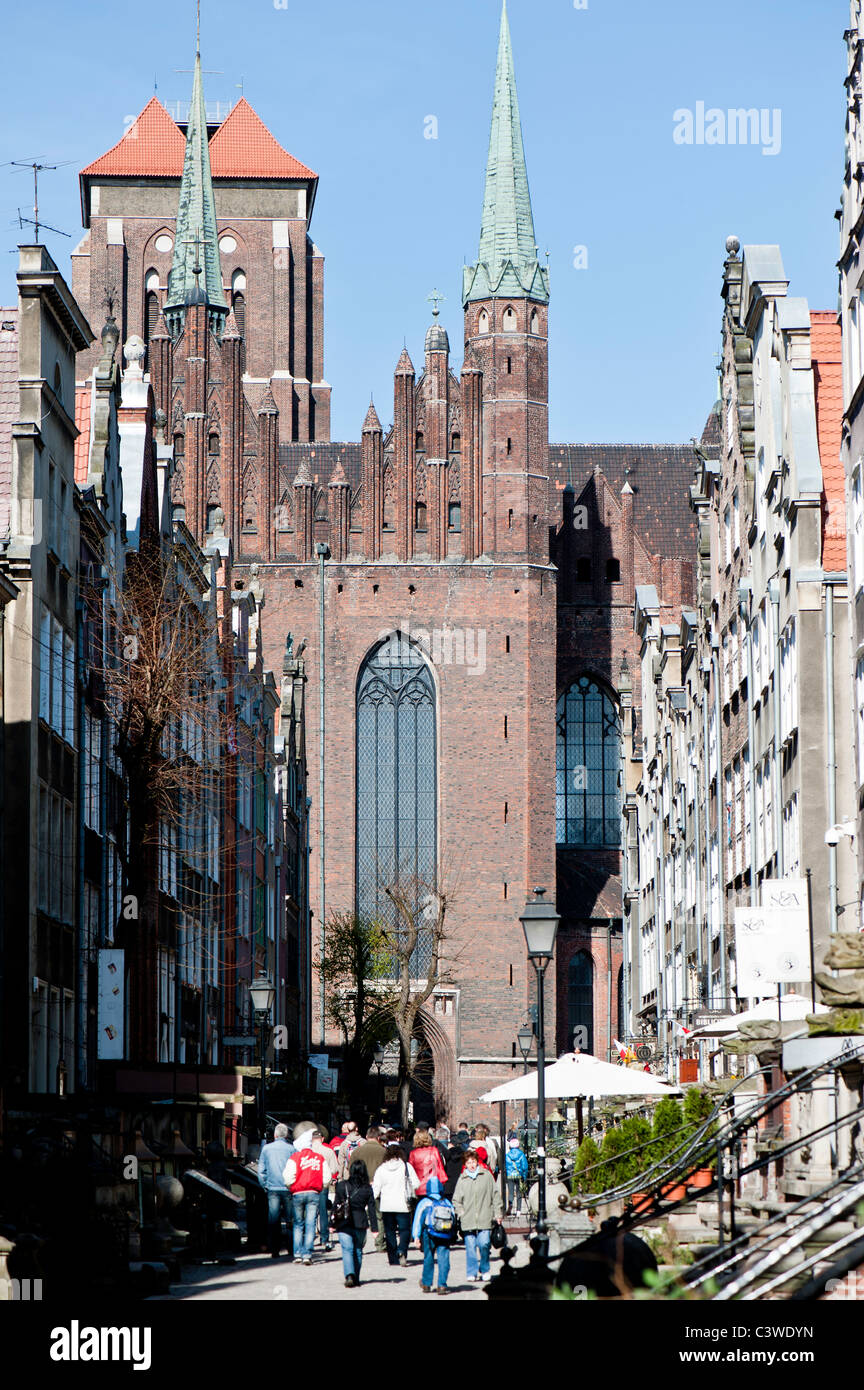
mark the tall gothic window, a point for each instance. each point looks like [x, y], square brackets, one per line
[587, 767]
[396, 778]
[580, 1002]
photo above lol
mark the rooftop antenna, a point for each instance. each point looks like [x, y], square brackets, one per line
[37, 168]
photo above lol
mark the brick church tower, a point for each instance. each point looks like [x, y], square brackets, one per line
[199, 234]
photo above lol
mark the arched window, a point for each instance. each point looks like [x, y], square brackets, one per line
[613, 571]
[509, 320]
[151, 304]
[420, 442]
[535, 322]
[213, 443]
[456, 443]
[179, 446]
[396, 778]
[587, 767]
[580, 1002]
[238, 300]
[454, 516]
[483, 322]
[421, 516]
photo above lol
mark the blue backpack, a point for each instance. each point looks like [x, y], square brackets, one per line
[440, 1220]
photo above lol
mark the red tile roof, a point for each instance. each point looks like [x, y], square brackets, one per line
[9, 408]
[826, 352]
[243, 148]
[153, 145]
[83, 408]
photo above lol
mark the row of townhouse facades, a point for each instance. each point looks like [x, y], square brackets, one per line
[154, 804]
[747, 770]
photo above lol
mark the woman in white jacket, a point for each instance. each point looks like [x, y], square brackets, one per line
[394, 1185]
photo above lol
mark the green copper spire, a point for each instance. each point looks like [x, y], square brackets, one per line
[196, 271]
[507, 262]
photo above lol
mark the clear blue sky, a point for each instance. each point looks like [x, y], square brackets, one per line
[346, 88]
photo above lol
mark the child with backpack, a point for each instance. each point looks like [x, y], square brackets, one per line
[434, 1229]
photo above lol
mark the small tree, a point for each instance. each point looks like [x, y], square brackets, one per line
[587, 1156]
[637, 1132]
[418, 931]
[615, 1167]
[667, 1128]
[358, 989]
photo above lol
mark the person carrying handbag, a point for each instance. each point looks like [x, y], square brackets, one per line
[395, 1184]
[353, 1214]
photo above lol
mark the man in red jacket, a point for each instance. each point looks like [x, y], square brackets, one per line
[304, 1178]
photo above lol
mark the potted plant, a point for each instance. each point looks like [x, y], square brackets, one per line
[698, 1105]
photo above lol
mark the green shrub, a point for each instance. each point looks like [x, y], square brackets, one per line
[586, 1156]
[667, 1128]
[698, 1105]
[614, 1170]
[637, 1131]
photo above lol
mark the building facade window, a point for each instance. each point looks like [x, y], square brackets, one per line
[396, 755]
[580, 1002]
[587, 767]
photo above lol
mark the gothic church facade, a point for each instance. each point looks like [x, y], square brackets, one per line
[476, 633]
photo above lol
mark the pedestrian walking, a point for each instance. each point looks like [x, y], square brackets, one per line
[304, 1176]
[482, 1138]
[426, 1160]
[517, 1172]
[395, 1184]
[372, 1152]
[453, 1166]
[271, 1175]
[331, 1172]
[434, 1227]
[478, 1204]
[353, 1215]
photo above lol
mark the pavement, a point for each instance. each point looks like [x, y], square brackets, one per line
[262, 1279]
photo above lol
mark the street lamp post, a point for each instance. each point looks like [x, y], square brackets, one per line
[525, 1037]
[378, 1058]
[262, 993]
[540, 925]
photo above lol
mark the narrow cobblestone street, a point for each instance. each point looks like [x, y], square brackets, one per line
[259, 1278]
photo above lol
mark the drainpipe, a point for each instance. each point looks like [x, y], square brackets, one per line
[660, 921]
[831, 739]
[774, 594]
[322, 550]
[625, 887]
[709, 911]
[721, 811]
[81, 1079]
[744, 596]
